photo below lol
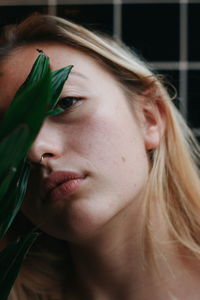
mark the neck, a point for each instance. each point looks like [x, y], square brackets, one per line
[111, 265]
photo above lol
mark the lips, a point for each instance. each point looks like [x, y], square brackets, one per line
[59, 185]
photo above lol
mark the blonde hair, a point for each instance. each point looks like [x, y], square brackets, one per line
[173, 184]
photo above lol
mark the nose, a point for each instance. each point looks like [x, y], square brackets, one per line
[48, 144]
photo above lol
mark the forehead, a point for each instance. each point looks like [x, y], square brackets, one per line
[18, 64]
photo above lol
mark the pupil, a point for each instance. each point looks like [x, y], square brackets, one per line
[66, 103]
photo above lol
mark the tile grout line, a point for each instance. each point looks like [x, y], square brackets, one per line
[117, 19]
[52, 7]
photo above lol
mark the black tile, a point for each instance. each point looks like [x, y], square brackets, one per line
[14, 14]
[194, 98]
[153, 29]
[193, 32]
[97, 16]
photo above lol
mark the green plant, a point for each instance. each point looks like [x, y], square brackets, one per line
[35, 100]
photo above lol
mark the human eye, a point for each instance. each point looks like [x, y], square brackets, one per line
[67, 103]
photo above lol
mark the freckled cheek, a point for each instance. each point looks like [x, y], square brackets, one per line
[104, 140]
[94, 139]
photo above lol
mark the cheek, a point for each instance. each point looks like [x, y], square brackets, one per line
[112, 144]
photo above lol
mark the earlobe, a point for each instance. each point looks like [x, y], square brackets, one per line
[154, 125]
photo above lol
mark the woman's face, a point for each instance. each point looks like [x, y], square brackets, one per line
[97, 138]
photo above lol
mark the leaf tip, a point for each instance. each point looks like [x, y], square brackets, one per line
[40, 51]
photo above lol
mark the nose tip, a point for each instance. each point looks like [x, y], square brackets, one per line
[47, 145]
[38, 155]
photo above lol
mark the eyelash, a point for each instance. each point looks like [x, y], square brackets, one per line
[67, 101]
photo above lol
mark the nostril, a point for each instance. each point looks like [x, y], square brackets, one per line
[47, 155]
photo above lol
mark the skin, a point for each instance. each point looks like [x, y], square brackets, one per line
[102, 137]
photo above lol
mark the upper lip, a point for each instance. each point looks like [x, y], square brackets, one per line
[58, 177]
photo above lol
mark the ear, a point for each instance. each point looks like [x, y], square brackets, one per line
[153, 124]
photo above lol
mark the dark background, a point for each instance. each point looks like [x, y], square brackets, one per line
[152, 28]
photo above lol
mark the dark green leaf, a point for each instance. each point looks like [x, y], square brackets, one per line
[11, 259]
[40, 67]
[58, 80]
[13, 149]
[11, 203]
[29, 106]
[4, 187]
[54, 112]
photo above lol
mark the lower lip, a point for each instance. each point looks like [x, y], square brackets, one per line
[65, 189]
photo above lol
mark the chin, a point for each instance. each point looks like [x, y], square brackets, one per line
[74, 228]
[74, 221]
